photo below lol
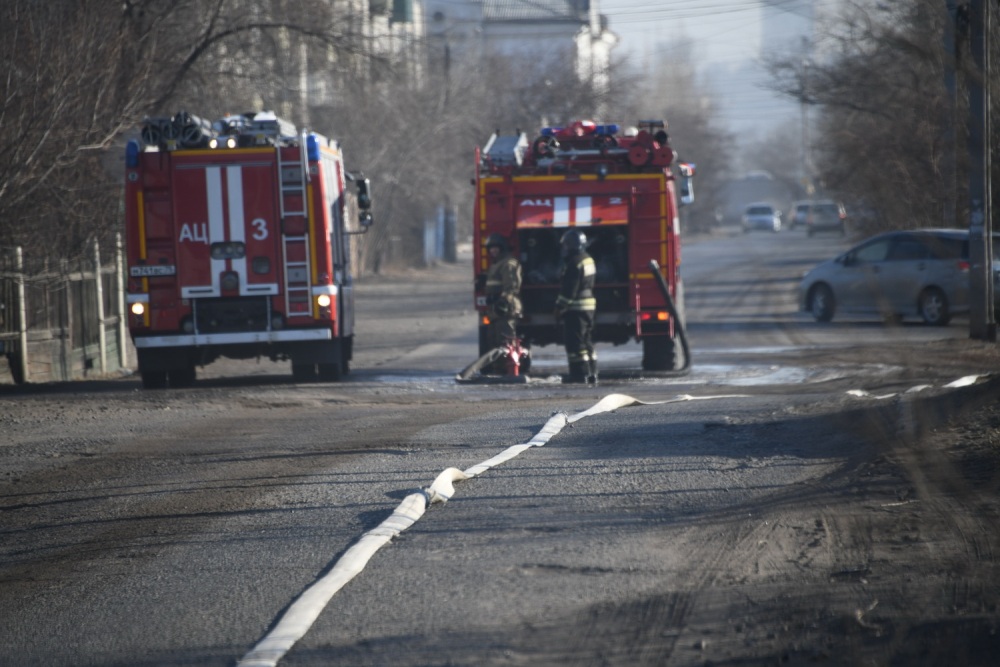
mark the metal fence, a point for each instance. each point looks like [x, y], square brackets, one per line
[62, 319]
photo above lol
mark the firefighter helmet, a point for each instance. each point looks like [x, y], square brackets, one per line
[499, 241]
[573, 242]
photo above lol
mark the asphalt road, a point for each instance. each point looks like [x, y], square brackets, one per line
[751, 512]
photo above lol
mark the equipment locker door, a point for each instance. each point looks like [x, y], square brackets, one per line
[226, 223]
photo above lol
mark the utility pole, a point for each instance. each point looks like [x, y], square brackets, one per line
[807, 181]
[982, 322]
[949, 166]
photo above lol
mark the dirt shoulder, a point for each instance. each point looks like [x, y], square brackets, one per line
[896, 562]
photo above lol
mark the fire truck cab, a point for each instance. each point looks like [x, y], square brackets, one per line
[621, 189]
[239, 244]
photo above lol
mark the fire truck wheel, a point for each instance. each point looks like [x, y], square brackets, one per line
[153, 379]
[484, 340]
[303, 372]
[16, 369]
[182, 377]
[659, 353]
[330, 372]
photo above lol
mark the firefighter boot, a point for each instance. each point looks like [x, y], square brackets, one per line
[577, 373]
[592, 372]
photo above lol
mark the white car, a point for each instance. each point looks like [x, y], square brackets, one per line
[761, 216]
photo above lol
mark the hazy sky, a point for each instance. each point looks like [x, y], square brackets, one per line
[724, 31]
[726, 37]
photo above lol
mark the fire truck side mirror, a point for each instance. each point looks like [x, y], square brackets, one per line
[687, 183]
[364, 193]
[364, 201]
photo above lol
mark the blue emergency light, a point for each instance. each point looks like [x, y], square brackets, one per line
[132, 151]
[312, 148]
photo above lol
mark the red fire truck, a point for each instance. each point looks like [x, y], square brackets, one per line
[239, 243]
[619, 188]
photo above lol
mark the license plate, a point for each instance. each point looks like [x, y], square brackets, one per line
[144, 271]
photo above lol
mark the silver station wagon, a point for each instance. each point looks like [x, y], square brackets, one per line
[922, 273]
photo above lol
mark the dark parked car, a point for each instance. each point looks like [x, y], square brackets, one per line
[826, 216]
[921, 273]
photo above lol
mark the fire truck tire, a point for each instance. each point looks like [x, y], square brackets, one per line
[330, 372]
[484, 340]
[659, 353]
[182, 377]
[303, 372]
[153, 379]
[16, 369]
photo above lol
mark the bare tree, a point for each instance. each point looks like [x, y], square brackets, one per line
[72, 82]
[672, 92]
[886, 129]
[79, 74]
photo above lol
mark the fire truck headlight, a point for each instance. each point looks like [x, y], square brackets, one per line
[231, 142]
[138, 309]
[323, 301]
[213, 143]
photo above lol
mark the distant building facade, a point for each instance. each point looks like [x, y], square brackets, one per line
[568, 30]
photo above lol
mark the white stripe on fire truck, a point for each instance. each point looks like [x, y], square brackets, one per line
[560, 212]
[237, 223]
[583, 213]
[216, 223]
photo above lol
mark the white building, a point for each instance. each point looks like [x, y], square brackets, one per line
[572, 30]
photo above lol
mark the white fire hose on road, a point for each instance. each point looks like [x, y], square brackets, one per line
[302, 613]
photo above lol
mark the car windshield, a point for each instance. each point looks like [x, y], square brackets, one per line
[759, 210]
[826, 209]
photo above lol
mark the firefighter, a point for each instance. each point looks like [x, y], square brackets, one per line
[503, 289]
[575, 305]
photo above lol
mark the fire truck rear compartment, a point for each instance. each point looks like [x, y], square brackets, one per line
[542, 262]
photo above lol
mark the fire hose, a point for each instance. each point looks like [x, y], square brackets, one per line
[672, 311]
[512, 354]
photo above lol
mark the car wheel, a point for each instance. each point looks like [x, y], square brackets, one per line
[933, 305]
[821, 303]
